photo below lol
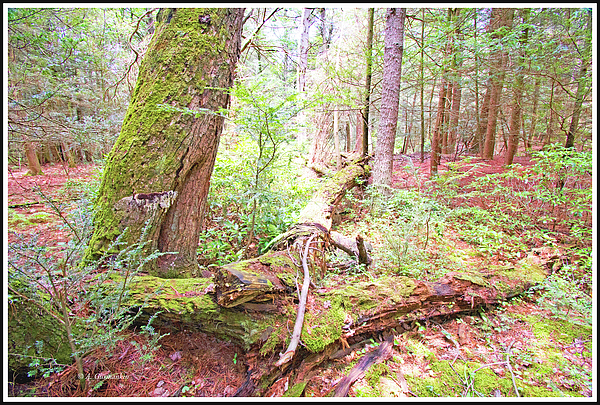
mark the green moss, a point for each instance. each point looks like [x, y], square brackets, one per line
[375, 372]
[473, 277]
[558, 330]
[444, 382]
[321, 329]
[187, 301]
[296, 390]
[527, 269]
[274, 340]
[32, 333]
[17, 220]
[419, 350]
[368, 295]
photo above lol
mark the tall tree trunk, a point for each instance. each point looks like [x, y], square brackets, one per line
[336, 124]
[454, 117]
[582, 84]
[515, 116]
[476, 146]
[439, 141]
[358, 146]
[159, 170]
[369, 60]
[422, 81]
[549, 130]
[390, 92]
[497, 81]
[446, 120]
[436, 141]
[536, 97]
[456, 89]
[301, 71]
[33, 163]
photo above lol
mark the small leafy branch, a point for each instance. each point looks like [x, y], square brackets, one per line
[91, 310]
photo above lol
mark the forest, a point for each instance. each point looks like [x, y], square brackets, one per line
[299, 202]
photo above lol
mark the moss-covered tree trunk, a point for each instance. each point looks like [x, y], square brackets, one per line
[158, 172]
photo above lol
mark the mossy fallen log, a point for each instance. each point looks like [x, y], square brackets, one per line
[262, 324]
[254, 302]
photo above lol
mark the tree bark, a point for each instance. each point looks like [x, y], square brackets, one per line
[369, 63]
[456, 87]
[33, 163]
[582, 84]
[422, 87]
[497, 72]
[392, 65]
[515, 116]
[436, 137]
[536, 96]
[187, 69]
[303, 43]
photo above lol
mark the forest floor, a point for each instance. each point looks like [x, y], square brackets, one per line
[521, 345]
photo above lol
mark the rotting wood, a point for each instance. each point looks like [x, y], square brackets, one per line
[252, 303]
[359, 370]
[333, 314]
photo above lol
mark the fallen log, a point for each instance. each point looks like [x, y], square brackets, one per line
[334, 315]
[255, 302]
[359, 370]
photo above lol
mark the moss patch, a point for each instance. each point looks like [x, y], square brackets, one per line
[191, 301]
[296, 390]
[323, 327]
[444, 381]
[368, 295]
[32, 333]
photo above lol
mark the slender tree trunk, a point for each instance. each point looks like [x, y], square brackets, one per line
[476, 146]
[336, 125]
[549, 129]
[158, 173]
[368, 74]
[347, 147]
[390, 92]
[454, 117]
[439, 142]
[456, 89]
[536, 97]
[582, 85]
[422, 81]
[430, 118]
[33, 163]
[358, 146]
[497, 82]
[515, 116]
[445, 122]
[435, 141]
[301, 71]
